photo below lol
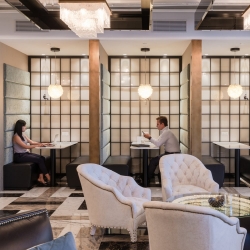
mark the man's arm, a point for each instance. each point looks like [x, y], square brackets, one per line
[160, 140]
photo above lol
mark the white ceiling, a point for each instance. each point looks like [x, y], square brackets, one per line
[128, 42]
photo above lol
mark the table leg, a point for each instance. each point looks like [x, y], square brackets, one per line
[52, 166]
[145, 167]
[237, 168]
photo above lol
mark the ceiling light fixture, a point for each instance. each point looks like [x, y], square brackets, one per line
[48, 2]
[85, 18]
[145, 90]
[55, 90]
[234, 90]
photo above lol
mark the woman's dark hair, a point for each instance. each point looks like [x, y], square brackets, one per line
[18, 128]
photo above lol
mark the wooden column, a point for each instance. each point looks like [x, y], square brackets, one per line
[94, 102]
[195, 98]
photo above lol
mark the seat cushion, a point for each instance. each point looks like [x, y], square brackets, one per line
[187, 189]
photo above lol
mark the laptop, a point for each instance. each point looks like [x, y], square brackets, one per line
[52, 144]
[140, 145]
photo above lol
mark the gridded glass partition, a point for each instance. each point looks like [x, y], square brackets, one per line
[67, 116]
[185, 109]
[224, 118]
[130, 114]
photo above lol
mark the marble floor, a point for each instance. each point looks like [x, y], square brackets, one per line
[68, 212]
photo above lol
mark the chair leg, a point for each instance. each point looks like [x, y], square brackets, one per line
[133, 235]
[92, 230]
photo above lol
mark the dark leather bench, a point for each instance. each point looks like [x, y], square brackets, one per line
[120, 164]
[25, 230]
[71, 173]
[217, 169]
[245, 167]
[21, 176]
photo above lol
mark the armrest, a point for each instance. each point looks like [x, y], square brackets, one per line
[206, 181]
[25, 230]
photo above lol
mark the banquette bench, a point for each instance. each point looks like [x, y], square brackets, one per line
[217, 169]
[120, 164]
[21, 175]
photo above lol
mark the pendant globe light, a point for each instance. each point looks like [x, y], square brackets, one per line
[235, 90]
[145, 90]
[55, 90]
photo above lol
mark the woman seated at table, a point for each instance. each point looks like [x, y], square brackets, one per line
[22, 144]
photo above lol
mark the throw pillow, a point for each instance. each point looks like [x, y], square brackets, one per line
[65, 242]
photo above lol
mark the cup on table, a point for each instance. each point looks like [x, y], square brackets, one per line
[139, 139]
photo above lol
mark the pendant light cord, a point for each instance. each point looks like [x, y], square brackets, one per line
[55, 67]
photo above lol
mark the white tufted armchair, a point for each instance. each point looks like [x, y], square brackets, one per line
[183, 174]
[176, 227]
[113, 201]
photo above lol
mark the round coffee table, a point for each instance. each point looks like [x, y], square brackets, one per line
[234, 206]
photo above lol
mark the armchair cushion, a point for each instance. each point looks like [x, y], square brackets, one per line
[65, 242]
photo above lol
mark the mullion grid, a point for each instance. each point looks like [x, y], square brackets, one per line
[238, 101]
[56, 71]
[119, 86]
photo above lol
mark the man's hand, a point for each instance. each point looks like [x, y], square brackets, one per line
[147, 135]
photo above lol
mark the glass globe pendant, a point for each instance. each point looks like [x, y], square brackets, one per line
[145, 90]
[55, 90]
[235, 90]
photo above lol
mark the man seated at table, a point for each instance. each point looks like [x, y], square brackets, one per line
[166, 138]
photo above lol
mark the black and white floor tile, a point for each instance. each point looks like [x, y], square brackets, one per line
[68, 212]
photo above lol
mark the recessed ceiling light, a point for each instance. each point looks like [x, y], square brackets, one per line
[124, 54]
[206, 54]
[83, 54]
[43, 54]
[246, 54]
[165, 54]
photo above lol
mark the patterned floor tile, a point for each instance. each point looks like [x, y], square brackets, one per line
[68, 212]
[4, 213]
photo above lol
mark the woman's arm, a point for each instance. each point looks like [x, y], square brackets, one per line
[30, 141]
[19, 141]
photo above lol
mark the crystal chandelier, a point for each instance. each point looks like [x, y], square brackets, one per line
[48, 2]
[145, 90]
[234, 90]
[55, 90]
[85, 18]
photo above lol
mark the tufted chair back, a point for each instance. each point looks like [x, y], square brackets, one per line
[183, 170]
[104, 177]
[112, 200]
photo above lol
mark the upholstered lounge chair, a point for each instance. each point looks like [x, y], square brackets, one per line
[177, 227]
[183, 174]
[113, 200]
